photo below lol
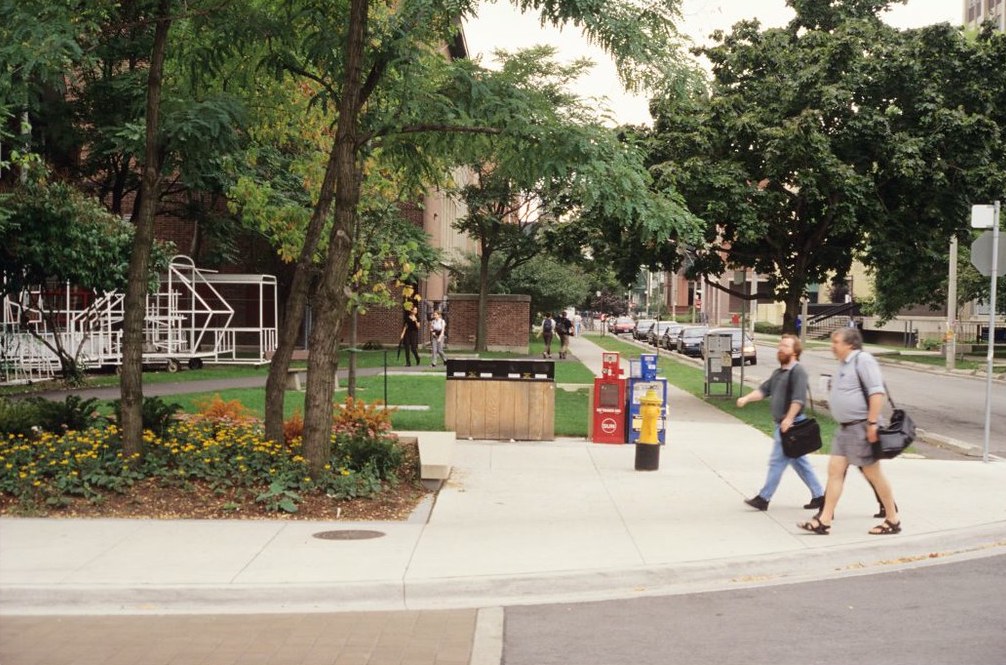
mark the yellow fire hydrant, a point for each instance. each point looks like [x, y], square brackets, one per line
[648, 446]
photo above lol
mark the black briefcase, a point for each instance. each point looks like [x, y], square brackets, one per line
[894, 438]
[801, 438]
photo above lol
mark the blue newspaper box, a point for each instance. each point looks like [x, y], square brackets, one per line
[642, 377]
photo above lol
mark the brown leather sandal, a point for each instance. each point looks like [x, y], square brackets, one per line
[886, 528]
[815, 526]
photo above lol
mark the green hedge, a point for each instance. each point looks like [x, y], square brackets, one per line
[767, 328]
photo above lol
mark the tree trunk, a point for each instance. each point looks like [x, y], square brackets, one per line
[332, 296]
[789, 315]
[131, 380]
[792, 298]
[293, 312]
[482, 325]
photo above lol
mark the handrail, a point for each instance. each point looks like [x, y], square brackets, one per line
[842, 308]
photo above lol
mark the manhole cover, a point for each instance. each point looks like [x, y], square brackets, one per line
[348, 534]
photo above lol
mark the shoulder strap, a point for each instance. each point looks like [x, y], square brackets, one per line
[789, 390]
[866, 397]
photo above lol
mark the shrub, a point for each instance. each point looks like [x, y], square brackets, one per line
[372, 345]
[18, 416]
[380, 454]
[157, 415]
[293, 428]
[767, 328]
[73, 413]
[358, 418]
[217, 409]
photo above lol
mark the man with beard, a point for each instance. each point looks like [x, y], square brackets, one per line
[790, 380]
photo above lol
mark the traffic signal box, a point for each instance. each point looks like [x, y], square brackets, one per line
[609, 414]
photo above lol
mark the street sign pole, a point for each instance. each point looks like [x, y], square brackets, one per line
[992, 331]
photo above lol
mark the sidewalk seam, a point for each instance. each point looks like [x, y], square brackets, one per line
[249, 562]
[614, 503]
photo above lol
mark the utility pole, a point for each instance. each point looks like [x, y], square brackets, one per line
[951, 334]
[674, 297]
[803, 318]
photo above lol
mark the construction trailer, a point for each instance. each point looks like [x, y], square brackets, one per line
[191, 319]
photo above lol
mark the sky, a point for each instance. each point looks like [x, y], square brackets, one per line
[499, 26]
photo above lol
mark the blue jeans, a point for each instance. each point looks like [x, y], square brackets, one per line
[777, 463]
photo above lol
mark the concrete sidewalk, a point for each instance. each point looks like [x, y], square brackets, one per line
[516, 523]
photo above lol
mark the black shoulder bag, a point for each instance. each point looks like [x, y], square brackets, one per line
[803, 436]
[898, 434]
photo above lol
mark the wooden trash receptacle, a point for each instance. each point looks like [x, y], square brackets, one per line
[501, 399]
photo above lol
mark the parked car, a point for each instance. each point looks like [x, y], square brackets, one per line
[642, 329]
[655, 335]
[623, 324]
[669, 340]
[690, 338]
[749, 351]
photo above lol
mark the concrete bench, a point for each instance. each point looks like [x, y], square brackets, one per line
[296, 378]
[436, 453]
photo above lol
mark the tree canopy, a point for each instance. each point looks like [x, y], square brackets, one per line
[834, 138]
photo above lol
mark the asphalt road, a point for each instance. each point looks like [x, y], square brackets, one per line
[931, 615]
[946, 404]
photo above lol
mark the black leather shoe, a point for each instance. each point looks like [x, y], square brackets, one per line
[757, 503]
[817, 503]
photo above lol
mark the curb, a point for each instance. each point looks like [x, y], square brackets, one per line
[947, 443]
[941, 371]
[806, 564]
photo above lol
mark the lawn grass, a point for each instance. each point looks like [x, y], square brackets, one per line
[691, 379]
[566, 372]
[941, 362]
[426, 388]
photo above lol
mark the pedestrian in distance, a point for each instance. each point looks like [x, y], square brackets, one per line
[564, 327]
[577, 323]
[410, 336]
[547, 332]
[438, 329]
[856, 399]
[788, 389]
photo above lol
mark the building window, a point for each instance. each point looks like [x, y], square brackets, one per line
[974, 10]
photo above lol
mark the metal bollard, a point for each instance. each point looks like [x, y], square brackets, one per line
[648, 447]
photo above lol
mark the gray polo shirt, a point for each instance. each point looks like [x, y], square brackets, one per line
[846, 399]
[775, 387]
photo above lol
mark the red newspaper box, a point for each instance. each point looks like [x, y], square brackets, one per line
[609, 407]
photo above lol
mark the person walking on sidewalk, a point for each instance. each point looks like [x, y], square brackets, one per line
[857, 396]
[410, 336]
[564, 327]
[788, 389]
[547, 331]
[438, 328]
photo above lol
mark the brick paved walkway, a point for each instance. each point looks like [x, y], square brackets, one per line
[358, 638]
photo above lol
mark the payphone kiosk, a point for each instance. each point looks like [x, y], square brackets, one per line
[608, 420]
